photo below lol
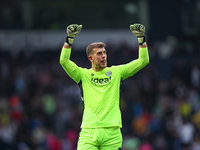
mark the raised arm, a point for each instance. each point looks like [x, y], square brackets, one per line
[70, 67]
[143, 58]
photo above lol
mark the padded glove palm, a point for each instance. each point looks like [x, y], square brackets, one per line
[139, 31]
[72, 31]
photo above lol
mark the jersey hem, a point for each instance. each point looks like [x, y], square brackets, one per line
[100, 127]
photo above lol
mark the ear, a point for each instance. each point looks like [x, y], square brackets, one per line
[90, 58]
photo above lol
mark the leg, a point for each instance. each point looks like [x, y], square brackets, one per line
[87, 140]
[112, 139]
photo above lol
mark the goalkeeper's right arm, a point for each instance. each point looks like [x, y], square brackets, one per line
[70, 67]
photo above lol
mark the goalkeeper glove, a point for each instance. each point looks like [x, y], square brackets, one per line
[139, 30]
[72, 31]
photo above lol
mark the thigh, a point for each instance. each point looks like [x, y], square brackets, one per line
[112, 139]
[87, 140]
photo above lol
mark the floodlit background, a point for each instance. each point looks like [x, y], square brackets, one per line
[40, 106]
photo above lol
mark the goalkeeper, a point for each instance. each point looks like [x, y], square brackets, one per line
[100, 89]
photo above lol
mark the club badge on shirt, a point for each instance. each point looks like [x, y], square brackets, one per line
[109, 73]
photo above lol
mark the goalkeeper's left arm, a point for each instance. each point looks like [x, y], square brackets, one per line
[143, 59]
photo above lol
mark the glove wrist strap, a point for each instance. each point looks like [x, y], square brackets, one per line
[69, 40]
[141, 40]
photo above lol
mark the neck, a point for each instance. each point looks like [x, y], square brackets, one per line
[95, 68]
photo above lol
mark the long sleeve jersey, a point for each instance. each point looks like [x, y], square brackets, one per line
[100, 91]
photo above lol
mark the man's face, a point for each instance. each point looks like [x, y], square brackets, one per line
[99, 58]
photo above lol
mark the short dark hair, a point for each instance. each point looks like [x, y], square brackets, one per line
[90, 47]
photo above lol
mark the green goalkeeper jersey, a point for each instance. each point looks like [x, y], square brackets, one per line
[100, 91]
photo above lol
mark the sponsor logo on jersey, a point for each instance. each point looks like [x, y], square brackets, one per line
[101, 81]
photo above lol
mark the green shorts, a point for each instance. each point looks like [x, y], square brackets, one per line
[100, 139]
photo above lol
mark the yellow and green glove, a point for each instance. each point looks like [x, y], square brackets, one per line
[72, 31]
[139, 31]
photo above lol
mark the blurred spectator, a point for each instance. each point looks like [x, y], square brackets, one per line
[196, 143]
[186, 133]
[146, 145]
[195, 76]
[160, 142]
[131, 143]
[168, 47]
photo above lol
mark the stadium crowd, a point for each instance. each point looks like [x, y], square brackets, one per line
[41, 109]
